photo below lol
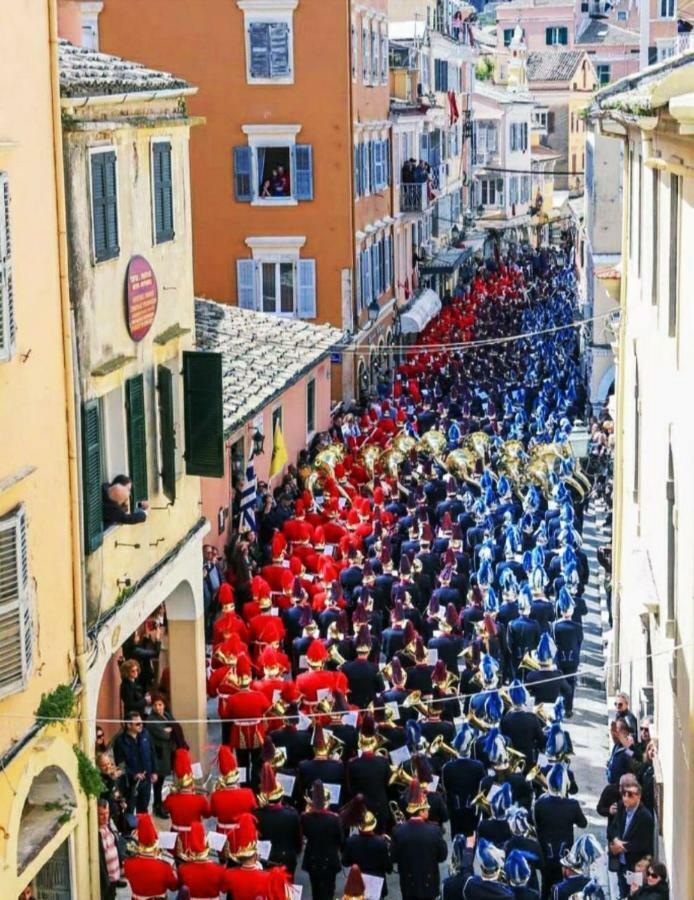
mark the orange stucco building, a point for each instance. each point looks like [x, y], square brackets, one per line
[291, 196]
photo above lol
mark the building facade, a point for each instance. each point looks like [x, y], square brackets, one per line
[150, 407]
[43, 810]
[652, 114]
[291, 176]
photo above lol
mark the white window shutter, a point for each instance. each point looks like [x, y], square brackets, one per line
[306, 292]
[7, 319]
[246, 287]
[16, 627]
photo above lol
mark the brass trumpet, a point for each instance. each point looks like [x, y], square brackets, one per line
[335, 655]
[479, 724]
[482, 803]
[530, 663]
[438, 745]
[399, 776]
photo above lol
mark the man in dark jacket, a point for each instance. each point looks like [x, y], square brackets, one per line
[133, 752]
[630, 835]
[418, 846]
[365, 680]
[115, 500]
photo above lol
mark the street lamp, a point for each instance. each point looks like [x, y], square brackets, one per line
[258, 441]
[373, 310]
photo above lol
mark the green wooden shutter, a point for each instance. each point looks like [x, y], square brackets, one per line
[91, 476]
[163, 191]
[104, 205]
[203, 414]
[167, 431]
[137, 436]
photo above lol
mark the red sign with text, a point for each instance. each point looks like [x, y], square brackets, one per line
[141, 297]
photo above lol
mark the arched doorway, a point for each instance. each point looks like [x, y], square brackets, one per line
[362, 381]
[51, 802]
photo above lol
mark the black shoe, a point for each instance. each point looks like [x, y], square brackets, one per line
[122, 883]
[569, 714]
[161, 813]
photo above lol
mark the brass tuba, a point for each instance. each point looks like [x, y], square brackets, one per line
[438, 745]
[369, 456]
[529, 663]
[535, 776]
[403, 443]
[335, 655]
[391, 460]
[399, 776]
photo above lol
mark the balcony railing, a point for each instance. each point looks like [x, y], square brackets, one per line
[684, 42]
[414, 197]
[484, 157]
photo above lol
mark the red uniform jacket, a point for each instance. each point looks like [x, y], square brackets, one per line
[309, 683]
[249, 884]
[204, 880]
[258, 623]
[227, 805]
[274, 575]
[226, 625]
[251, 706]
[149, 877]
[184, 809]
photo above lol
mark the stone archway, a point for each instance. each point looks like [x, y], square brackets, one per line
[50, 802]
[605, 384]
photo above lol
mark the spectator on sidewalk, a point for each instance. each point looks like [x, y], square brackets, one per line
[630, 835]
[132, 695]
[134, 754]
[109, 860]
[621, 702]
[655, 884]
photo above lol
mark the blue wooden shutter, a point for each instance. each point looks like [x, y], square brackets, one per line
[563, 35]
[137, 436]
[376, 270]
[389, 162]
[104, 205]
[246, 287]
[303, 172]
[357, 281]
[259, 35]
[368, 285]
[548, 36]
[306, 289]
[91, 476]
[242, 174]
[163, 191]
[203, 413]
[167, 432]
[357, 172]
[388, 274]
[280, 65]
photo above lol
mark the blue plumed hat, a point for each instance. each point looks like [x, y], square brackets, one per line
[527, 562]
[546, 651]
[559, 711]
[538, 580]
[493, 707]
[518, 821]
[525, 599]
[503, 486]
[558, 780]
[464, 739]
[489, 668]
[489, 497]
[555, 744]
[484, 574]
[589, 850]
[413, 735]
[541, 535]
[567, 557]
[517, 869]
[486, 480]
[593, 891]
[458, 852]
[501, 801]
[537, 557]
[526, 592]
[565, 603]
[454, 434]
[518, 694]
[490, 858]
[495, 748]
[491, 601]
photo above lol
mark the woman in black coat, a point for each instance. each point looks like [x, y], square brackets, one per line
[323, 832]
[132, 696]
[655, 884]
[160, 725]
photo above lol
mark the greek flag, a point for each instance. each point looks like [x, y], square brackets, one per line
[247, 506]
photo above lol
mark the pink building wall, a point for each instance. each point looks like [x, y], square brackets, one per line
[217, 492]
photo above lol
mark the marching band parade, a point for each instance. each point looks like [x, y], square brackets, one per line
[395, 680]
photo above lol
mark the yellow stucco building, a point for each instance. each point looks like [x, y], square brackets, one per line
[43, 812]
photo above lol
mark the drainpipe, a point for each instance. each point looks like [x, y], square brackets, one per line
[71, 422]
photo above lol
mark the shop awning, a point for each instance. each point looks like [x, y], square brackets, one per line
[445, 262]
[422, 311]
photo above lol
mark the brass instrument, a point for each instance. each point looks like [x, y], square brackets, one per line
[398, 814]
[403, 443]
[391, 460]
[535, 775]
[516, 759]
[387, 672]
[335, 655]
[335, 746]
[479, 442]
[438, 745]
[414, 701]
[449, 684]
[326, 461]
[546, 716]
[433, 443]
[399, 776]
[505, 699]
[369, 456]
[461, 462]
[530, 663]
[482, 803]
[479, 724]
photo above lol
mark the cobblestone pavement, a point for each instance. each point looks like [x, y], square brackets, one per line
[588, 727]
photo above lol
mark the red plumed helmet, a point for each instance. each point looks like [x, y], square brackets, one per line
[267, 778]
[307, 499]
[409, 634]
[440, 672]
[397, 672]
[355, 889]
[378, 496]
[416, 797]
[279, 545]
[287, 579]
[147, 837]
[295, 565]
[426, 534]
[182, 766]
[268, 659]
[259, 587]
[368, 725]
[299, 509]
[225, 595]
[316, 652]
[420, 653]
[243, 667]
[246, 836]
[277, 883]
[228, 767]
[319, 536]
